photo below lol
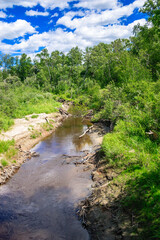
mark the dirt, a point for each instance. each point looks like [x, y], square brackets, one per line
[27, 132]
[102, 213]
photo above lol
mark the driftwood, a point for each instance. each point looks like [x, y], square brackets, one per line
[86, 131]
[46, 120]
[152, 134]
[63, 112]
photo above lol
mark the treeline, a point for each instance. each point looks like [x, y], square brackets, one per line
[121, 82]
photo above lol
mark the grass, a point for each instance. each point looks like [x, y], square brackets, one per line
[47, 126]
[4, 162]
[137, 157]
[5, 122]
[34, 116]
[35, 134]
[5, 145]
[14, 104]
[11, 153]
[8, 151]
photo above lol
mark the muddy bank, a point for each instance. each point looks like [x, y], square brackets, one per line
[102, 213]
[27, 132]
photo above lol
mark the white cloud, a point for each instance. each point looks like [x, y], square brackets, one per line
[54, 15]
[10, 3]
[100, 22]
[64, 41]
[139, 3]
[93, 18]
[53, 40]
[2, 14]
[89, 4]
[107, 34]
[11, 16]
[15, 29]
[36, 13]
[101, 4]
[31, 3]
[51, 21]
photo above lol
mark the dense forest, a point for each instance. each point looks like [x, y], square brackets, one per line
[121, 83]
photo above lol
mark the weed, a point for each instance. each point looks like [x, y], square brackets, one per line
[35, 134]
[5, 145]
[4, 162]
[34, 116]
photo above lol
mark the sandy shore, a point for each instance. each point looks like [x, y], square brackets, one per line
[27, 132]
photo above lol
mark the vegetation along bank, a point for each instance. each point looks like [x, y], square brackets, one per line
[121, 83]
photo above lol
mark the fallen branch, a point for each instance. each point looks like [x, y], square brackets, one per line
[86, 131]
[63, 112]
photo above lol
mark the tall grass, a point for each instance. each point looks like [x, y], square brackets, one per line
[21, 101]
[5, 145]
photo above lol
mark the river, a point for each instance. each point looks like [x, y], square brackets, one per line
[40, 200]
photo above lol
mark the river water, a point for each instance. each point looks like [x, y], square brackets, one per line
[39, 202]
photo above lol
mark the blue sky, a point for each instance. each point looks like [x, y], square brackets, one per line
[27, 26]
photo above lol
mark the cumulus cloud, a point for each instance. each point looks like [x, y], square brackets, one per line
[51, 21]
[107, 34]
[101, 4]
[89, 4]
[53, 40]
[36, 13]
[54, 15]
[64, 41]
[103, 18]
[31, 3]
[15, 29]
[2, 14]
[96, 21]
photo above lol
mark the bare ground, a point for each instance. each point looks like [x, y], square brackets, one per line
[102, 213]
[27, 132]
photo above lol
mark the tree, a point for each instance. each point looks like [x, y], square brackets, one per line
[152, 8]
[24, 67]
[146, 43]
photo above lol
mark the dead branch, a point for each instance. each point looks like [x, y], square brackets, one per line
[86, 131]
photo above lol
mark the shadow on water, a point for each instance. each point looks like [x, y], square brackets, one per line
[38, 217]
[39, 201]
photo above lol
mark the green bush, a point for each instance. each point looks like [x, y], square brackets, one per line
[5, 145]
[4, 162]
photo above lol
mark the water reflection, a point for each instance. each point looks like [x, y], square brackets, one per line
[81, 142]
[65, 140]
[38, 202]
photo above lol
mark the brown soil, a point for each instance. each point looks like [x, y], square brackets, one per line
[102, 213]
[27, 132]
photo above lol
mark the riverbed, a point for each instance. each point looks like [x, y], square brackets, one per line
[41, 199]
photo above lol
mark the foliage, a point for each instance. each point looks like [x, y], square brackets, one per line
[5, 145]
[120, 81]
[4, 162]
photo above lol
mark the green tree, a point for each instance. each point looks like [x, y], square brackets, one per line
[24, 69]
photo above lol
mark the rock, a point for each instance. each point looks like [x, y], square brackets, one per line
[34, 154]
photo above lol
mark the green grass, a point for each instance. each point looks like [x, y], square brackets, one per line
[11, 153]
[5, 145]
[138, 160]
[22, 101]
[4, 162]
[34, 116]
[47, 126]
[5, 122]
[35, 134]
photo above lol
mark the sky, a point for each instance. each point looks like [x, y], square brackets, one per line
[28, 26]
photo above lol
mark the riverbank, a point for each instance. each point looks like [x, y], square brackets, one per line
[25, 133]
[102, 213]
